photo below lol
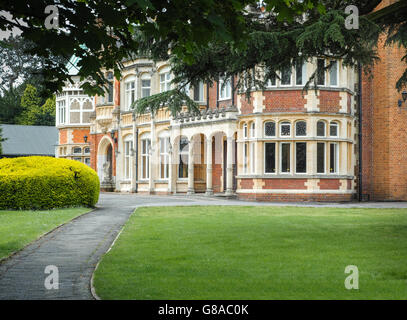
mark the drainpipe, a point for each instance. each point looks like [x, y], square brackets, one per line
[360, 130]
[136, 167]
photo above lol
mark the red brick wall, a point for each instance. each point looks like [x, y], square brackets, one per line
[296, 197]
[329, 184]
[284, 183]
[246, 106]
[282, 101]
[246, 183]
[78, 134]
[329, 101]
[384, 143]
[63, 136]
[116, 92]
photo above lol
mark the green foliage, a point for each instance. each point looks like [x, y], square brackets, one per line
[34, 113]
[46, 183]
[185, 26]
[174, 99]
[10, 105]
[19, 228]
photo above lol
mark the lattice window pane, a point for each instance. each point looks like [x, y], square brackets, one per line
[285, 129]
[301, 128]
[321, 129]
[270, 129]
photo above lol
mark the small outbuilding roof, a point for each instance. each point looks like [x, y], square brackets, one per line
[29, 140]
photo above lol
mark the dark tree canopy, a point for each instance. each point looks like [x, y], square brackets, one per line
[206, 38]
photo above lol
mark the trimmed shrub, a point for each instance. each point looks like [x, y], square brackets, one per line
[46, 183]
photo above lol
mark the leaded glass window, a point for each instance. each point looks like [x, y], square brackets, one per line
[321, 129]
[285, 129]
[270, 129]
[300, 128]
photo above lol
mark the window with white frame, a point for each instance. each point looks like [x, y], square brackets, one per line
[61, 111]
[164, 157]
[333, 74]
[321, 129]
[110, 87]
[198, 91]
[87, 161]
[245, 157]
[333, 158]
[301, 74]
[86, 150]
[225, 89]
[270, 129]
[320, 72]
[286, 76]
[245, 131]
[300, 129]
[333, 129]
[145, 85]
[75, 111]
[321, 155]
[128, 148]
[145, 158]
[130, 92]
[272, 81]
[252, 157]
[183, 158]
[77, 150]
[253, 130]
[165, 80]
[300, 157]
[285, 129]
[285, 157]
[270, 157]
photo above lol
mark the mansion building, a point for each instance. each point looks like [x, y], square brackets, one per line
[346, 140]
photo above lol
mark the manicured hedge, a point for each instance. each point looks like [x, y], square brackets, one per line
[46, 183]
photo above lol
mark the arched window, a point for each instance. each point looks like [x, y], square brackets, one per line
[75, 112]
[333, 129]
[285, 129]
[300, 129]
[77, 150]
[321, 128]
[270, 129]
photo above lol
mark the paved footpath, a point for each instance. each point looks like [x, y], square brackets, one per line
[76, 247]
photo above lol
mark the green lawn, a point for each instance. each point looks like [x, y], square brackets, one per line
[256, 253]
[19, 228]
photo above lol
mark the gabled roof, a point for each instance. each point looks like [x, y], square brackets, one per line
[29, 140]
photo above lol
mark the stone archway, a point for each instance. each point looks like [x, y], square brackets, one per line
[105, 164]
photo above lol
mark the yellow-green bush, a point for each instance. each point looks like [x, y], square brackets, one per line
[45, 183]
